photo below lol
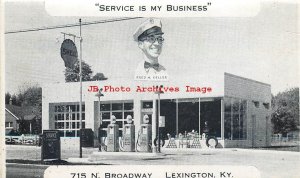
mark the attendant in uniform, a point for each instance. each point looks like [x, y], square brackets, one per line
[150, 40]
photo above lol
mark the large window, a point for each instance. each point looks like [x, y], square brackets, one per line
[66, 118]
[211, 115]
[120, 109]
[168, 109]
[235, 118]
[187, 115]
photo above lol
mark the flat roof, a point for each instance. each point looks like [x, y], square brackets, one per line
[236, 76]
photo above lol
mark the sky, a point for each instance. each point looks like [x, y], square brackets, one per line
[263, 48]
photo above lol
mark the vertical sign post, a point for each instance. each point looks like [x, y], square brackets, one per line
[158, 92]
[69, 55]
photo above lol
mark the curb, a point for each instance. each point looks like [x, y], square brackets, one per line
[23, 164]
[269, 151]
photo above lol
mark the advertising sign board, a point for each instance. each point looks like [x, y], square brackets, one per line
[51, 145]
[87, 137]
[162, 121]
[68, 52]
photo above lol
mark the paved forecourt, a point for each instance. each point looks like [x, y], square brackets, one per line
[272, 164]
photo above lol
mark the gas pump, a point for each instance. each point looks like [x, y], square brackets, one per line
[128, 139]
[145, 136]
[112, 136]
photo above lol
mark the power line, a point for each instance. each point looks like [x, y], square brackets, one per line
[71, 25]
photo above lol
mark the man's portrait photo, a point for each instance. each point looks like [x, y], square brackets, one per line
[149, 38]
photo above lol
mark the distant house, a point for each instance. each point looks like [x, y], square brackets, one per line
[11, 120]
[22, 119]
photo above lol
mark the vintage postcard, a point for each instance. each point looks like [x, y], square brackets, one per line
[150, 89]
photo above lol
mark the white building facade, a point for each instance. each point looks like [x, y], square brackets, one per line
[236, 109]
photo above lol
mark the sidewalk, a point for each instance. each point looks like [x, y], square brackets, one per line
[172, 154]
[26, 152]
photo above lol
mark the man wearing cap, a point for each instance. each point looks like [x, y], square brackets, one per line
[149, 38]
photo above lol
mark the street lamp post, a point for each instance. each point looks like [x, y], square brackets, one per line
[99, 94]
[158, 92]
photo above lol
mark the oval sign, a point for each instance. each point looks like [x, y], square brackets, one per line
[68, 53]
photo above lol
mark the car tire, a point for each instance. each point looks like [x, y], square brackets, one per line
[211, 142]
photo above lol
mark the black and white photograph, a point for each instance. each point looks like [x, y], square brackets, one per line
[150, 96]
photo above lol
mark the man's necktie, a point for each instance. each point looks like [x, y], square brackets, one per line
[148, 65]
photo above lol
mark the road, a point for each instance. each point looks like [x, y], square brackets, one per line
[25, 170]
[271, 164]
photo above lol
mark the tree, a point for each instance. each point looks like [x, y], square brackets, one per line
[7, 97]
[15, 100]
[23, 126]
[72, 75]
[99, 76]
[30, 98]
[285, 111]
[29, 95]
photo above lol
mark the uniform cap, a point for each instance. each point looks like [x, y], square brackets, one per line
[149, 27]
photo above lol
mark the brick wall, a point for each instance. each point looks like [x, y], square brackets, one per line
[258, 96]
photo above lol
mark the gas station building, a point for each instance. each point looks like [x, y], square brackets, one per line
[237, 110]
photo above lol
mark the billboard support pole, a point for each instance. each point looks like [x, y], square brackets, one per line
[80, 78]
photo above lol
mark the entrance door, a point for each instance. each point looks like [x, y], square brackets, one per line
[267, 131]
[253, 132]
[147, 109]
